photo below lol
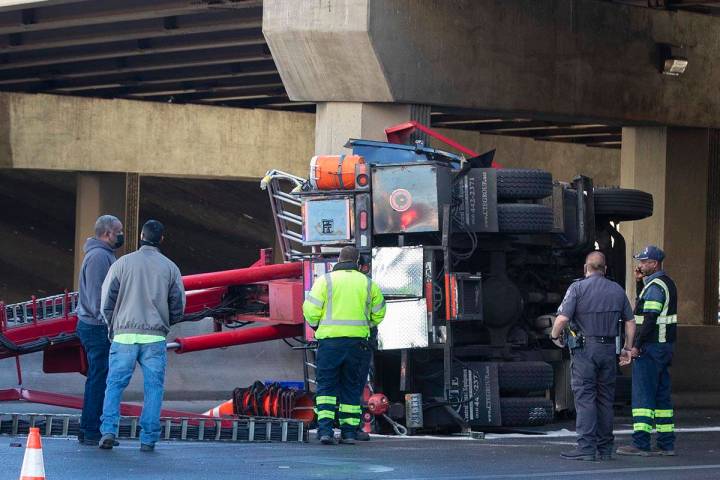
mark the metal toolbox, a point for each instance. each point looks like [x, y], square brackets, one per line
[398, 271]
[409, 198]
[405, 325]
[328, 220]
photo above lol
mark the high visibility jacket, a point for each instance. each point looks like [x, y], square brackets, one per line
[659, 296]
[344, 303]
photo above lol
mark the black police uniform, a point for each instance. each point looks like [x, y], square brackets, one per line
[594, 306]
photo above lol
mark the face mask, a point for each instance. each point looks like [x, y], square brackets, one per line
[119, 241]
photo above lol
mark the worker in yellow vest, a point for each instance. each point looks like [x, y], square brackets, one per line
[342, 307]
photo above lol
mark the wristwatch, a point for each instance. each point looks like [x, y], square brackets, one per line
[554, 338]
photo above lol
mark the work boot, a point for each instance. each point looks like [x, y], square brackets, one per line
[663, 453]
[578, 455]
[94, 442]
[107, 441]
[347, 440]
[146, 447]
[605, 456]
[633, 451]
[327, 439]
[362, 436]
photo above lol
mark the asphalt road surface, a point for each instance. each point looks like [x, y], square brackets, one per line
[495, 457]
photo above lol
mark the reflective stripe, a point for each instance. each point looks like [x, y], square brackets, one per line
[345, 408]
[665, 428]
[326, 414]
[667, 320]
[663, 413]
[328, 309]
[352, 421]
[378, 307]
[313, 300]
[662, 333]
[652, 305]
[642, 427]
[346, 323]
[639, 319]
[325, 400]
[643, 412]
[368, 301]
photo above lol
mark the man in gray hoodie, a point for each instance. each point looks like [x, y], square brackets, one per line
[142, 296]
[91, 328]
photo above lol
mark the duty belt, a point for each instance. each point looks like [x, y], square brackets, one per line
[598, 339]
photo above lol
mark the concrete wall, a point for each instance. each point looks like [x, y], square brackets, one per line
[563, 160]
[52, 132]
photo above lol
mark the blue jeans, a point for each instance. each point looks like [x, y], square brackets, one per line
[94, 339]
[651, 401]
[152, 357]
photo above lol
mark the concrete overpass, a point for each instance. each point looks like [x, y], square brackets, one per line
[561, 74]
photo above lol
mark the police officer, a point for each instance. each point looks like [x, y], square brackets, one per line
[592, 308]
[656, 315]
[342, 307]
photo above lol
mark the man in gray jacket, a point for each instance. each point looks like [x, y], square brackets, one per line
[142, 296]
[91, 329]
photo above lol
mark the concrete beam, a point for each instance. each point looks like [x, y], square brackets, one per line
[554, 59]
[48, 132]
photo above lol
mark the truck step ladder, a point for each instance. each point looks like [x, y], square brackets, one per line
[287, 213]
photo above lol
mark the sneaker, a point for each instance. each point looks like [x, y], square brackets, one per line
[663, 453]
[94, 442]
[578, 455]
[633, 451]
[347, 440]
[146, 447]
[327, 440]
[362, 436]
[107, 442]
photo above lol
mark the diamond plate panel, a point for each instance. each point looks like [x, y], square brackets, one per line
[398, 271]
[405, 325]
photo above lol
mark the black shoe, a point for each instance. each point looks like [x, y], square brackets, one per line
[604, 457]
[146, 447]
[107, 442]
[81, 438]
[578, 455]
[327, 440]
[347, 440]
[362, 436]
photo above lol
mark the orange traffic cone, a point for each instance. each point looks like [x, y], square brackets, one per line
[222, 410]
[33, 467]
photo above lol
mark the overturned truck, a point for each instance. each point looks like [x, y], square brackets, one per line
[473, 261]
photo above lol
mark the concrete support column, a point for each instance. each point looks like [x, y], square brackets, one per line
[336, 122]
[105, 193]
[680, 167]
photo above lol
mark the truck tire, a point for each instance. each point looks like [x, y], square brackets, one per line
[523, 184]
[524, 218]
[525, 376]
[622, 204]
[525, 411]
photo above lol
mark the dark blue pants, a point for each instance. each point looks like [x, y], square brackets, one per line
[94, 339]
[340, 366]
[651, 402]
[593, 371]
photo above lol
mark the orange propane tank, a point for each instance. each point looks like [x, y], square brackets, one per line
[334, 172]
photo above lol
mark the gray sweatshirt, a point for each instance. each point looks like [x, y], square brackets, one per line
[96, 263]
[143, 293]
